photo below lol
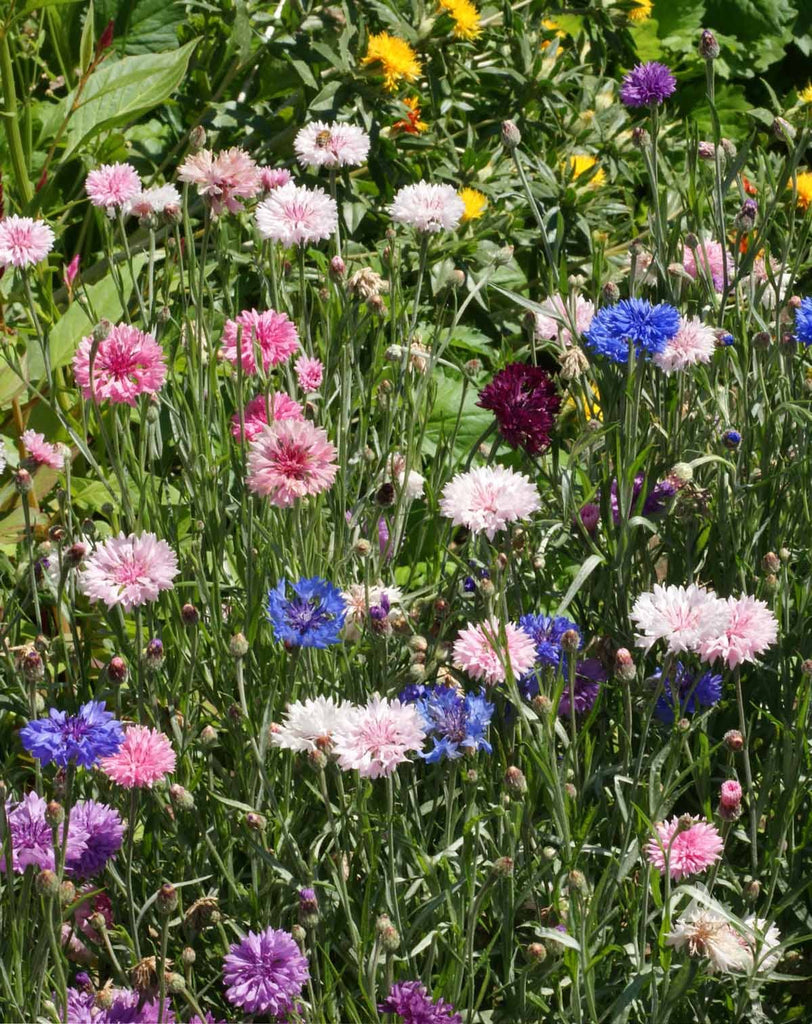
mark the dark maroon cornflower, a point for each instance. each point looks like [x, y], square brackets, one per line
[524, 401]
[589, 675]
[411, 1001]
[647, 85]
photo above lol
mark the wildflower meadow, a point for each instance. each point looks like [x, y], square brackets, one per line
[405, 512]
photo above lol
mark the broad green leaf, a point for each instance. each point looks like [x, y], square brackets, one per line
[11, 385]
[450, 404]
[143, 26]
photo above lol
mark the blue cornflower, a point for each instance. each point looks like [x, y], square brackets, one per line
[313, 617]
[731, 439]
[546, 631]
[632, 321]
[82, 738]
[803, 321]
[685, 693]
[455, 720]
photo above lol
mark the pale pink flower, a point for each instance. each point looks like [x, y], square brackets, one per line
[750, 628]
[255, 415]
[685, 846]
[128, 363]
[272, 333]
[294, 215]
[682, 616]
[112, 185]
[331, 145]
[359, 598]
[376, 738]
[309, 725]
[426, 207]
[711, 257]
[24, 241]
[706, 933]
[413, 484]
[557, 318]
[223, 179]
[764, 941]
[481, 653]
[488, 498]
[41, 451]
[153, 200]
[309, 373]
[274, 177]
[129, 571]
[144, 758]
[289, 460]
[693, 343]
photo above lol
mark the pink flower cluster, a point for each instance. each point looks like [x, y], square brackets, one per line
[223, 178]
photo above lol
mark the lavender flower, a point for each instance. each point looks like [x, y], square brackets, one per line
[265, 972]
[647, 85]
[411, 1001]
[83, 738]
[105, 831]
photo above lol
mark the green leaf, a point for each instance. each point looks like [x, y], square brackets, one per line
[581, 577]
[143, 26]
[450, 405]
[87, 44]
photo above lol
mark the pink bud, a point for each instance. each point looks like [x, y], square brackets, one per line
[730, 795]
[71, 271]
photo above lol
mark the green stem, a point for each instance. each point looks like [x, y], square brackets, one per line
[11, 122]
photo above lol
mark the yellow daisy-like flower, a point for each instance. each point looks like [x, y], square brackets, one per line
[804, 183]
[591, 410]
[550, 25]
[582, 162]
[805, 95]
[465, 16]
[475, 203]
[397, 59]
[641, 11]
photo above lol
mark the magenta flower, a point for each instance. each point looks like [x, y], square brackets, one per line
[749, 630]
[24, 241]
[291, 459]
[223, 179]
[264, 973]
[129, 571]
[524, 402]
[482, 654]
[412, 1003]
[270, 332]
[71, 270]
[128, 363]
[684, 846]
[309, 373]
[144, 758]
[647, 85]
[112, 185]
[294, 215]
[255, 414]
[105, 831]
[373, 740]
[42, 452]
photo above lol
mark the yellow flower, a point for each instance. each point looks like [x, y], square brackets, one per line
[805, 95]
[465, 16]
[804, 183]
[641, 11]
[474, 201]
[583, 162]
[550, 25]
[576, 400]
[411, 123]
[397, 59]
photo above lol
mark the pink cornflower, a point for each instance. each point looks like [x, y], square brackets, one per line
[128, 363]
[682, 616]
[153, 200]
[487, 499]
[24, 241]
[255, 414]
[144, 757]
[309, 373]
[41, 451]
[129, 571]
[376, 738]
[685, 845]
[730, 796]
[71, 270]
[557, 318]
[112, 185]
[272, 333]
[293, 215]
[289, 460]
[693, 343]
[750, 628]
[480, 652]
[331, 145]
[711, 257]
[223, 179]
[428, 208]
[274, 177]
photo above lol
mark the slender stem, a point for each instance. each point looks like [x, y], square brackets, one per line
[748, 777]
[11, 122]
[130, 845]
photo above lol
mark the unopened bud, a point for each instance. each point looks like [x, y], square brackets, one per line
[22, 481]
[117, 670]
[611, 294]
[570, 641]
[74, 555]
[208, 735]
[181, 798]
[753, 890]
[190, 616]
[32, 666]
[47, 883]
[706, 151]
[783, 130]
[577, 880]
[515, 781]
[54, 813]
[167, 900]
[238, 646]
[298, 934]
[388, 935]
[511, 136]
[67, 893]
[503, 256]
[640, 138]
[255, 821]
[308, 908]
[708, 45]
[197, 137]
[624, 665]
[337, 266]
[771, 562]
[570, 790]
[733, 740]
[154, 654]
[537, 952]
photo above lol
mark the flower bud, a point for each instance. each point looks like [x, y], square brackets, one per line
[806, 667]
[624, 665]
[181, 798]
[308, 908]
[101, 330]
[730, 800]
[47, 883]
[197, 137]
[22, 481]
[570, 641]
[537, 952]
[188, 956]
[682, 473]
[189, 615]
[74, 555]
[54, 813]
[570, 790]
[67, 893]
[611, 294]
[154, 654]
[388, 935]
[771, 562]
[733, 740]
[783, 130]
[515, 781]
[167, 900]
[337, 266]
[298, 934]
[117, 671]
[503, 867]
[32, 666]
[640, 138]
[208, 735]
[577, 880]
[708, 45]
[753, 890]
[255, 821]
[238, 646]
[706, 151]
[511, 136]
[503, 256]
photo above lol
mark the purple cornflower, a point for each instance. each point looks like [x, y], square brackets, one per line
[685, 692]
[411, 1001]
[83, 738]
[32, 837]
[105, 831]
[589, 675]
[129, 1007]
[647, 85]
[547, 632]
[265, 972]
[655, 503]
[524, 402]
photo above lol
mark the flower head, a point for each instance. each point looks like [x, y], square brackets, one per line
[486, 499]
[582, 163]
[255, 414]
[153, 200]
[694, 342]
[803, 185]
[589, 675]
[398, 60]
[764, 941]
[129, 571]
[684, 692]
[684, 617]
[144, 757]
[547, 632]
[309, 725]
[684, 846]
[32, 841]
[223, 179]
[112, 185]
[313, 617]
[42, 452]
[295, 215]
[706, 933]
[427, 207]
[376, 738]
[557, 318]
[411, 124]
[309, 374]
[474, 203]
[647, 85]
[331, 145]
[708, 260]
[130, 1007]
[271, 334]
[105, 831]
[128, 363]
[632, 321]
[749, 629]
[81, 738]
[291, 459]
[368, 605]
[24, 241]
[274, 177]
[803, 321]
[642, 10]
[466, 18]
[455, 720]
[265, 972]
[411, 1001]
[524, 401]
[481, 653]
